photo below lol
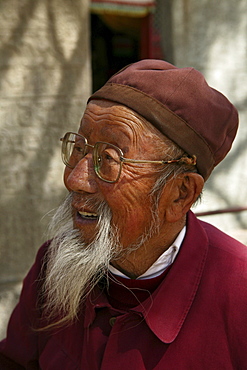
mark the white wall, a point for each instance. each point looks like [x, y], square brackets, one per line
[45, 78]
[211, 36]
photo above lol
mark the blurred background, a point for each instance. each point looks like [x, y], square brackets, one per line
[54, 53]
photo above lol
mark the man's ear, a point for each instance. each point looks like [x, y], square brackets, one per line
[184, 191]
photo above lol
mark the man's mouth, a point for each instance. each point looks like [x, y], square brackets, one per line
[88, 215]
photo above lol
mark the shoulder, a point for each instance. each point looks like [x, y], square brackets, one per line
[226, 265]
[226, 259]
[221, 241]
[21, 346]
[224, 277]
[216, 238]
[35, 273]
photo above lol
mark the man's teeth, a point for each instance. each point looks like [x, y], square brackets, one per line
[88, 215]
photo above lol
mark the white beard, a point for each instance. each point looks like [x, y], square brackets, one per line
[74, 267]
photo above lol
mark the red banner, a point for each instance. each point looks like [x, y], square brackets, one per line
[123, 7]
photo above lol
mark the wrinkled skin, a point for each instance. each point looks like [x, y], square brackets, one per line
[129, 198]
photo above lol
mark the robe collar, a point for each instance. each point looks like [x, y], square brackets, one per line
[166, 311]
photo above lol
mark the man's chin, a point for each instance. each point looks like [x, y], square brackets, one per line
[87, 231]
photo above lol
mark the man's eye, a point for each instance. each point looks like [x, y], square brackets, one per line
[108, 157]
[111, 155]
[78, 149]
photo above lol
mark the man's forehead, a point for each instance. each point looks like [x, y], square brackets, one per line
[107, 121]
[114, 114]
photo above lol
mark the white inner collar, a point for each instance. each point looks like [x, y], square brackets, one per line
[165, 260]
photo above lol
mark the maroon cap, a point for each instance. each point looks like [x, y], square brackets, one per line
[180, 104]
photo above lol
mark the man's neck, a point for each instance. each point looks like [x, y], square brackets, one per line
[137, 262]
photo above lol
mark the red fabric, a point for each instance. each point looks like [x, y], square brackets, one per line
[128, 293]
[135, 8]
[196, 318]
[126, 2]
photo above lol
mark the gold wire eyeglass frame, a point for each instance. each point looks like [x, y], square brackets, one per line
[122, 160]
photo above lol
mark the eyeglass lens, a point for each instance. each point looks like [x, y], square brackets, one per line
[73, 149]
[106, 156]
[107, 161]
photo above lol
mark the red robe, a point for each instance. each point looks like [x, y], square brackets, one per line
[192, 317]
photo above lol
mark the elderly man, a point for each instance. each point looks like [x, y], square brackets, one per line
[131, 279]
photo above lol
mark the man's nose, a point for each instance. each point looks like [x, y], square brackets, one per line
[82, 178]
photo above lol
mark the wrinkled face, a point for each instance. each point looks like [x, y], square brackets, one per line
[129, 198]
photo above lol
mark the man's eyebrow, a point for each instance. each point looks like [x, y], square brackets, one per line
[125, 149]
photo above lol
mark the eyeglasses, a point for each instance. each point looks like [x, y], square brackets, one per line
[108, 159]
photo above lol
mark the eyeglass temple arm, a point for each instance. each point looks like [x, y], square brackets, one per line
[182, 160]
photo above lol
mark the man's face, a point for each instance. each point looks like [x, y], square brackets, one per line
[129, 198]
